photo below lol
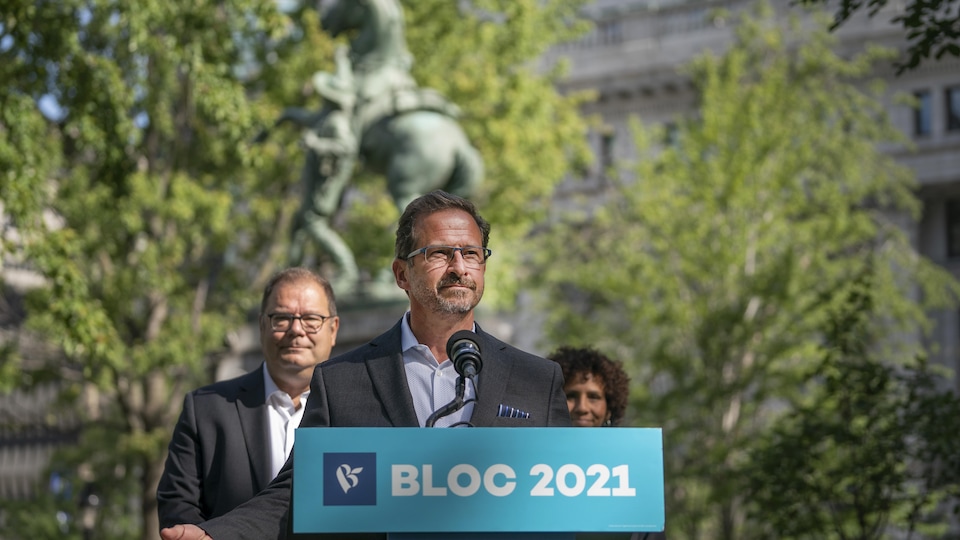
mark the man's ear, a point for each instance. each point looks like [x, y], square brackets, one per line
[400, 274]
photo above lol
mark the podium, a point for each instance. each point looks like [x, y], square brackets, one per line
[478, 483]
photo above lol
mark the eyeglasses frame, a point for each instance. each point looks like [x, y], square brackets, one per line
[291, 317]
[486, 252]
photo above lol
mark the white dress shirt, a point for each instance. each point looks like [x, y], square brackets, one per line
[282, 419]
[432, 384]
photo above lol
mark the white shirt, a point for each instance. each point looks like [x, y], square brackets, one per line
[432, 384]
[282, 419]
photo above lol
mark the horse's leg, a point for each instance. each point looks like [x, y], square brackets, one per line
[468, 171]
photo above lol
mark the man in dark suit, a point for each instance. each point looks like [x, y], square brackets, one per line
[401, 377]
[234, 436]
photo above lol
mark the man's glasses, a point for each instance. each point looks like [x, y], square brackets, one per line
[473, 256]
[311, 322]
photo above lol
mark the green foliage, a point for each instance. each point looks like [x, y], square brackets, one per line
[23, 156]
[714, 268]
[159, 214]
[870, 450]
[39, 518]
[931, 27]
[137, 195]
[72, 500]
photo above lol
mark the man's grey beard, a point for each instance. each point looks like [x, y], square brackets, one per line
[460, 305]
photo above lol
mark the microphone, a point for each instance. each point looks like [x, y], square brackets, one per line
[463, 351]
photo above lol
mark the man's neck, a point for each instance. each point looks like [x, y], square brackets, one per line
[434, 330]
[293, 384]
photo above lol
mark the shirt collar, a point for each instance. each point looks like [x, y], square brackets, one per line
[407, 339]
[269, 387]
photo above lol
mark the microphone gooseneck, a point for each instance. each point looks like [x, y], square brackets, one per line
[464, 352]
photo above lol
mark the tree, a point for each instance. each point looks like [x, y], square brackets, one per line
[130, 180]
[930, 26]
[870, 451]
[126, 124]
[712, 268]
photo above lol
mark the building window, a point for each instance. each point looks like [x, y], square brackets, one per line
[606, 151]
[609, 32]
[671, 134]
[953, 228]
[922, 115]
[952, 102]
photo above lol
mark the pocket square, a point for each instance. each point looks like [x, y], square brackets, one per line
[511, 412]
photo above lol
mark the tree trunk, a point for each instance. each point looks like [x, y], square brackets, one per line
[148, 499]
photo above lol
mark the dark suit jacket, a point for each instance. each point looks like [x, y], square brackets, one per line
[367, 387]
[218, 456]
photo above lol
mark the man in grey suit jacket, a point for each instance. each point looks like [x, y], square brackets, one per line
[232, 436]
[404, 375]
[368, 387]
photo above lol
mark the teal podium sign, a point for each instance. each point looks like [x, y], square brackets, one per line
[478, 480]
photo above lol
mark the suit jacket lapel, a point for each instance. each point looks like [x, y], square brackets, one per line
[492, 380]
[253, 422]
[384, 372]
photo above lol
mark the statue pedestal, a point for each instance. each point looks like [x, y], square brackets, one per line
[363, 318]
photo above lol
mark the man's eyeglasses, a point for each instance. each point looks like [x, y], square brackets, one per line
[311, 322]
[473, 256]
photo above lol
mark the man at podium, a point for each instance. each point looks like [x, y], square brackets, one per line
[403, 377]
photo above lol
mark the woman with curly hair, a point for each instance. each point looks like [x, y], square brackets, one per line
[596, 386]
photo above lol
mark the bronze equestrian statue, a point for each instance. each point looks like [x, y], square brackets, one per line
[374, 114]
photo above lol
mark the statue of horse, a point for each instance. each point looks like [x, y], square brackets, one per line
[408, 134]
[417, 152]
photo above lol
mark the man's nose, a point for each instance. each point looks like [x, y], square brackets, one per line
[296, 326]
[457, 263]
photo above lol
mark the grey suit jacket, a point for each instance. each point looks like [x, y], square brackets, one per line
[367, 387]
[218, 456]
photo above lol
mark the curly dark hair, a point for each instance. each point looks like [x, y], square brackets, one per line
[580, 361]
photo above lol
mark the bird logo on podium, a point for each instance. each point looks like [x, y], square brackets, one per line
[350, 479]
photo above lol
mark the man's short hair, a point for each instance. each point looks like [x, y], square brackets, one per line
[428, 204]
[295, 274]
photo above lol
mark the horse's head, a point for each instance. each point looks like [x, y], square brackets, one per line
[338, 16]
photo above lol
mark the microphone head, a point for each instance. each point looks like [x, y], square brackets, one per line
[463, 350]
